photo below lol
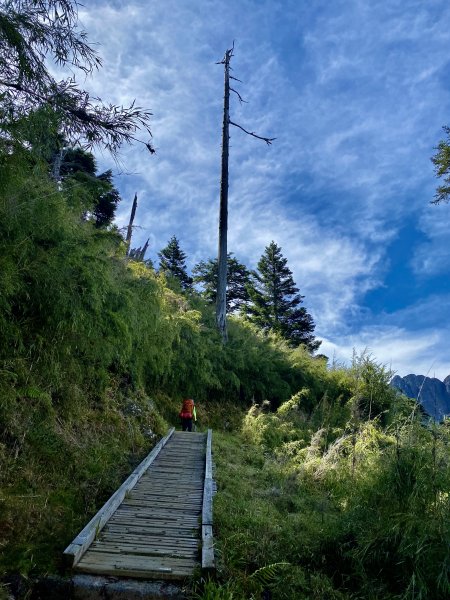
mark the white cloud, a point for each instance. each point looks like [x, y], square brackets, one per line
[420, 352]
[432, 257]
[354, 93]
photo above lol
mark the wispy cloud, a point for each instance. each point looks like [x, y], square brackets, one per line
[433, 257]
[401, 350]
[355, 92]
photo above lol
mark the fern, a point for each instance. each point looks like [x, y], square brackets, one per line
[267, 575]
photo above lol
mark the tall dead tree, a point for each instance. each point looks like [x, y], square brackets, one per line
[221, 302]
[221, 299]
[130, 225]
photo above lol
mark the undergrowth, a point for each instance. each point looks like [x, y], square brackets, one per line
[359, 507]
[55, 473]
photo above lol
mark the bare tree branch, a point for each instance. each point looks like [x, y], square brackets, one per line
[241, 100]
[259, 137]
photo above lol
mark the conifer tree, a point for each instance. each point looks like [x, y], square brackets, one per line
[238, 280]
[172, 262]
[80, 165]
[276, 301]
[441, 161]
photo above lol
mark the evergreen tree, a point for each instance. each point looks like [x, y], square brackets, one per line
[82, 166]
[276, 301]
[238, 280]
[172, 262]
[441, 161]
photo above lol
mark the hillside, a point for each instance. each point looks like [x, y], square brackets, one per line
[330, 486]
[97, 351]
[433, 394]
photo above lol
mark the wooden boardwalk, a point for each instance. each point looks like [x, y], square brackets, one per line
[159, 526]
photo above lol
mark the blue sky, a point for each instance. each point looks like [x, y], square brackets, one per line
[356, 93]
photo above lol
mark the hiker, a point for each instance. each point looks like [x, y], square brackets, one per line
[187, 414]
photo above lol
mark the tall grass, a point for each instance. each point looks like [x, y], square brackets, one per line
[354, 494]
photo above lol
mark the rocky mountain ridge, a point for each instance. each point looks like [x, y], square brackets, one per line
[433, 394]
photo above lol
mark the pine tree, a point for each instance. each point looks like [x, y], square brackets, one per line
[441, 161]
[172, 262]
[276, 301]
[80, 165]
[238, 280]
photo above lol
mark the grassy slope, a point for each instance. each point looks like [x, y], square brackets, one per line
[365, 516]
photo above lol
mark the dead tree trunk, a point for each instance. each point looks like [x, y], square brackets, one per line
[221, 302]
[130, 225]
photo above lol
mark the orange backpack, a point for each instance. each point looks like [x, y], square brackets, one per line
[187, 409]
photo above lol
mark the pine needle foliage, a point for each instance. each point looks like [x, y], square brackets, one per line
[172, 262]
[275, 301]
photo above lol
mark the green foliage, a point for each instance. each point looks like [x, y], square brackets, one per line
[441, 161]
[78, 168]
[238, 280]
[275, 301]
[32, 34]
[355, 498]
[172, 262]
[372, 395]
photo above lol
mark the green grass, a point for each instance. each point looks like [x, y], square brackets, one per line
[357, 512]
[57, 474]
[258, 523]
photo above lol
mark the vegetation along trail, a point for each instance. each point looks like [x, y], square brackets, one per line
[330, 483]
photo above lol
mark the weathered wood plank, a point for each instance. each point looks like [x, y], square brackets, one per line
[137, 550]
[155, 541]
[208, 562]
[207, 511]
[208, 458]
[80, 544]
[139, 562]
[161, 524]
[156, 530]
[135, 573]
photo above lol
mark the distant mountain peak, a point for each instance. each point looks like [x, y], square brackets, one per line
[433, 394]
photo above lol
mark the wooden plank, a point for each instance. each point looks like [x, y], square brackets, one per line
[136, 573]
[159, 523]
[208, 458]
[137, 550]
[153, 501]
[159, 535]
[140, 562]
[142, 509]
[161, 497]
[208, 562]
[81, 543]
[153, 541]
[207, 510]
